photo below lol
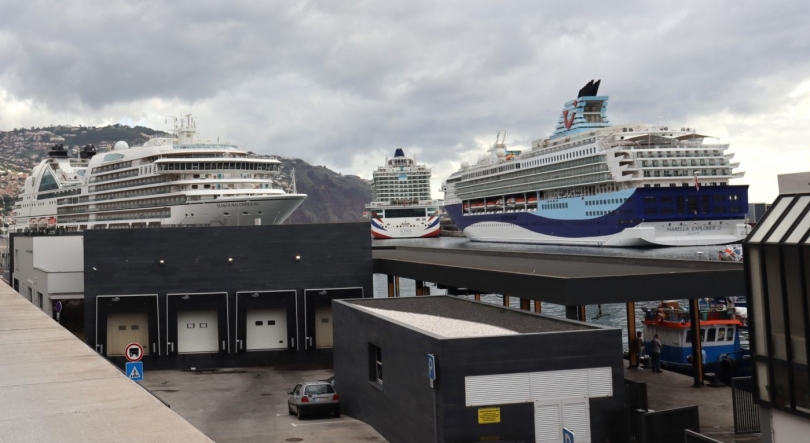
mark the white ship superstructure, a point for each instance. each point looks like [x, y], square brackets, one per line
[169, 181]
[401, 205]
[594, 183]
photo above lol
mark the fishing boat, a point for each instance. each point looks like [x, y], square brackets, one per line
[719, 337]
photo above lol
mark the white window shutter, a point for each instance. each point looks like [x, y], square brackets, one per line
[547, 421]
[577, 418]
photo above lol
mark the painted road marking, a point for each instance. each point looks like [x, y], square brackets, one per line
[325, 422]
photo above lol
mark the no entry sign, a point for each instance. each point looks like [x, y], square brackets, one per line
[133, 352]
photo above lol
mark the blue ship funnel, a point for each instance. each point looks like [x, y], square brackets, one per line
[588, 111]
[399, 153]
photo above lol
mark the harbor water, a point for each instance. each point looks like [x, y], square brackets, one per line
[613, 315]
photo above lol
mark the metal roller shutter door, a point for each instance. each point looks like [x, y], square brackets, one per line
[266, 329]
[123, 329]
[197, 331]
[323, 327]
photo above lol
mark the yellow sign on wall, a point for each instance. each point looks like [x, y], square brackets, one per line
[488, 416]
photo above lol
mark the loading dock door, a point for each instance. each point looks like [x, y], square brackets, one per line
[197, 331]
[266, 329]
[123, 329]
[323, 327]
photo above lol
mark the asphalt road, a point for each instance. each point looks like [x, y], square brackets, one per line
[250, 405]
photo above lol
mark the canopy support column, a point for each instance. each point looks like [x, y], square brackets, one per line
[631, 334]
[697, 360]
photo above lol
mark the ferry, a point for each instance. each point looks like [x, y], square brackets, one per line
[401, 205]
[595, 183]
[168, 181]
[719, 338]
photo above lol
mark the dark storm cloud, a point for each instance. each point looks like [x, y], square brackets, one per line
[328, 80]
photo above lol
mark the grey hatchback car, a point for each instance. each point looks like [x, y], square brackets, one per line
[313, 397]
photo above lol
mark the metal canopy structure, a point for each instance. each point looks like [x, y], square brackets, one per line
[561, 278]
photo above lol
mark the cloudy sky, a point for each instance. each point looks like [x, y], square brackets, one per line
[343, 83]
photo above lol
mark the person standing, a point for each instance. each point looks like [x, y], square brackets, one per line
[655, 351]
[638, 348]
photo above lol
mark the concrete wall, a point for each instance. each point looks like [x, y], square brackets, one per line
[195, 261]
[403, 410]
[794, 183]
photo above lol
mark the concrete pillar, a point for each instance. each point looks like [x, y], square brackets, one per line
[477, 297]
[697, 361]
[631, 333]
[390, 285]
[396, 286]
[506, 300]
[525, 304]
[537, 306]
[420, 288]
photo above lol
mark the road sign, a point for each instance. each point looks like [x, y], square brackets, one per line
[431, 367]
[58, 307]
[133, 352]
[568, 436]
[134, 370]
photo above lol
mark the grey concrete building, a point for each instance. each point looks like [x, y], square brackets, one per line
[500, 374]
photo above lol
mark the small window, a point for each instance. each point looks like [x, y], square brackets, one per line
[122, 327]
[712, 335]
[325, 320]
[271, 322]
[730, 334]
[259, 322]
[375, 373]
[203, 325]
[134, 327]
[689, 336]
[189, 325]
[721, 334]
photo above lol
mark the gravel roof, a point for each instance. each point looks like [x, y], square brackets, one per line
[445, 327]
[481, 313]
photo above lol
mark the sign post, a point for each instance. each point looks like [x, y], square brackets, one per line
[133, 352]
[431, 368]
[568, 436]
[58, 308]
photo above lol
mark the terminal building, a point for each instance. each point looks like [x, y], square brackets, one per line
[777, 255]
[499, 374]
[208, 297]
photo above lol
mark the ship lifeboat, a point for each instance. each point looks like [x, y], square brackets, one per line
[477, 206]
[32, 223]
[51, 222]
[532, 201]
[466, 206]
[511, 202]
[493, 203]
[42, 222]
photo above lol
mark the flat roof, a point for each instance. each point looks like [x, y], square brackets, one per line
[56, 388]
[564, 279]
[464, 314]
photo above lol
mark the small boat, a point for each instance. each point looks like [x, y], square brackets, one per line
[51, 222]
[719, 335]
[42, 222]
[510, 202]
[32, 223]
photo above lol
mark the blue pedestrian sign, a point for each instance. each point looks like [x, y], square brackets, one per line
[431, 367]
[568, 436]
[134, 370]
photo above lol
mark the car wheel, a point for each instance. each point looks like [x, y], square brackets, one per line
[300, 413]
[289, 409]
[337, 413]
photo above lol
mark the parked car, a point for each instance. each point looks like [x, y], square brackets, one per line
[313, 397]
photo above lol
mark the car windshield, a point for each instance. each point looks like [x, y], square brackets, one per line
[319, 389]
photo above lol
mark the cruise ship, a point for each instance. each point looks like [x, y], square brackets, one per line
[595, 183]
[401, 205]
[168, 181]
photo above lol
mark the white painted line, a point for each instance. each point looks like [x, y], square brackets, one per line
[324, 422]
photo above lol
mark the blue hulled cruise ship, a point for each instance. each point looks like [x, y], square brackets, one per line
[593, 183]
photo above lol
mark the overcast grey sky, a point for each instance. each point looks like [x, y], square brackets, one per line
[343, 83]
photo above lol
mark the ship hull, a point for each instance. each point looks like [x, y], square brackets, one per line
[382, 228]
[270, 210]
[632, 218]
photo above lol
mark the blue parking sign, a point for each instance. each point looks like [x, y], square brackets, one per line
[568, 436]
[431, 367]
[134, 370]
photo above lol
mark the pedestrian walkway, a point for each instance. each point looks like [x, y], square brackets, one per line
[53, 388]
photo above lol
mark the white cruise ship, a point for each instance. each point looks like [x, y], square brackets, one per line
[171, 181]
[401, 205]
[595, 183]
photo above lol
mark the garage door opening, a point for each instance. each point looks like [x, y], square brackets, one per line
[266, 329]
[197, 331]
[123, 329]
